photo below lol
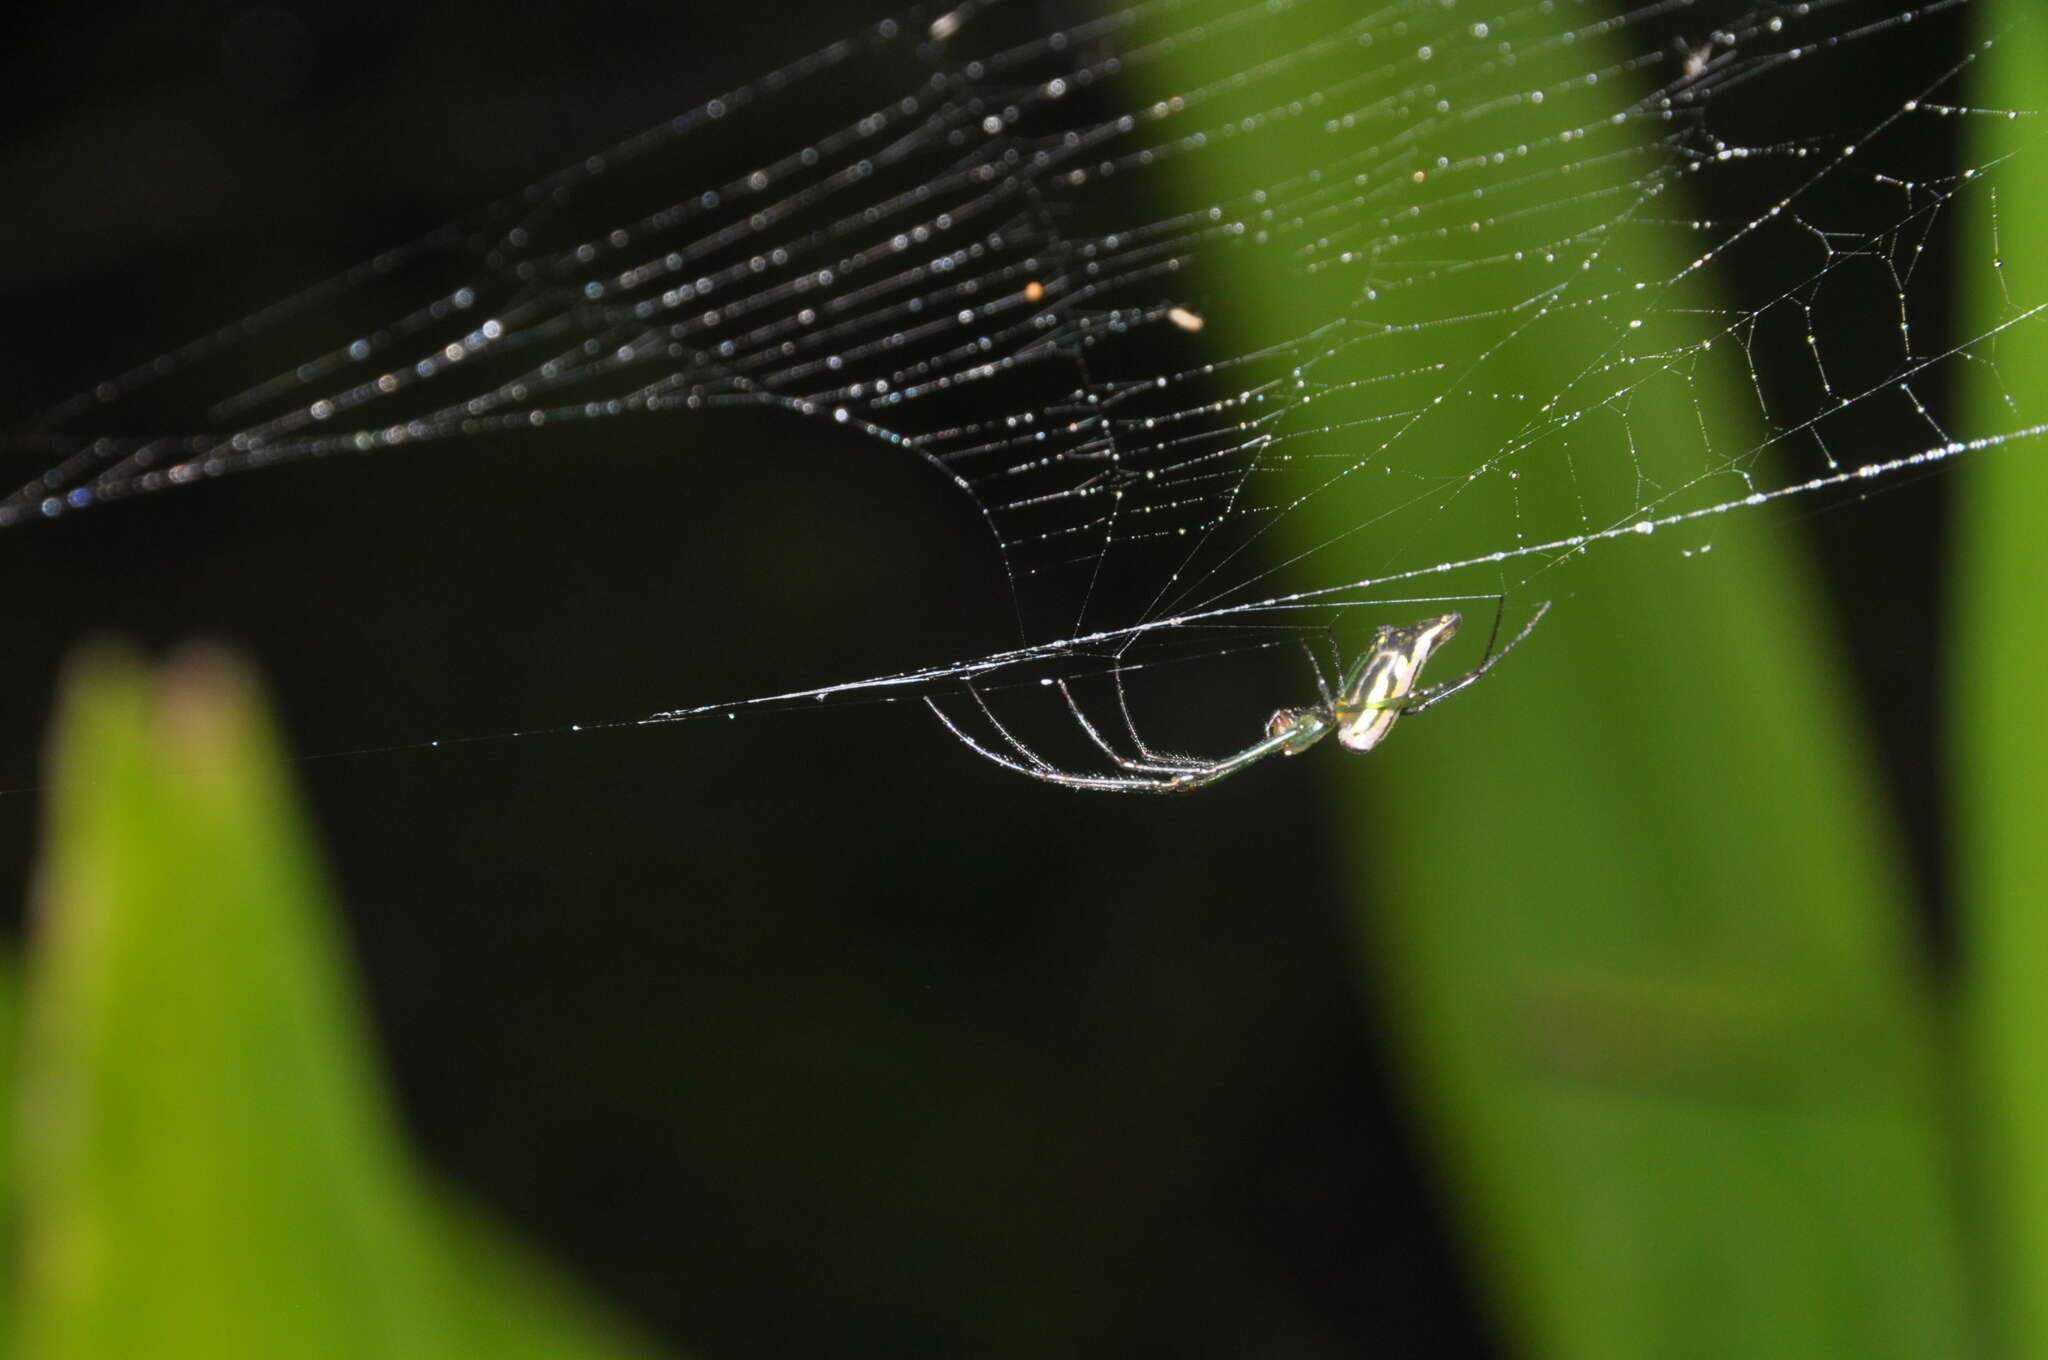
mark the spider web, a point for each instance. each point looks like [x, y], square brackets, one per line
[1026, 258]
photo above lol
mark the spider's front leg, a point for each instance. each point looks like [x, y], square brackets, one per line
[1150, 763]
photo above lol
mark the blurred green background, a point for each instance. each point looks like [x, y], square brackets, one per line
[1671, 997]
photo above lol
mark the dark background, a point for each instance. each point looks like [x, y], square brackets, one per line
[803, 1032]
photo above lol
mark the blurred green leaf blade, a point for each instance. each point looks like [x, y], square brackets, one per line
[1999, 724]
[211, 1166]
[1631, 901]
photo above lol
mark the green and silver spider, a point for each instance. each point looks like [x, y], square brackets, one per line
[1379, 688]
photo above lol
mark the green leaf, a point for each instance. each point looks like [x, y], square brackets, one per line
[1630, 904]
[1999, 723]
[1637, 922]
[10, 1017]
[209, 1164]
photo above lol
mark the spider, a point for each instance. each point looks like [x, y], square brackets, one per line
[1379, 687]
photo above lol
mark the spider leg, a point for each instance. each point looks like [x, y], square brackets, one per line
[1322, 684]
[1500, 609]
[1047, 773]
[1152, 765]
[1123, 702]
[1208, 774]
[1336, 661]
[1035, 771]
[1436, 694]
[1153, 774]
[1016, 745]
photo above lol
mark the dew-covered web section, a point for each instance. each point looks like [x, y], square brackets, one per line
[1031, 259]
